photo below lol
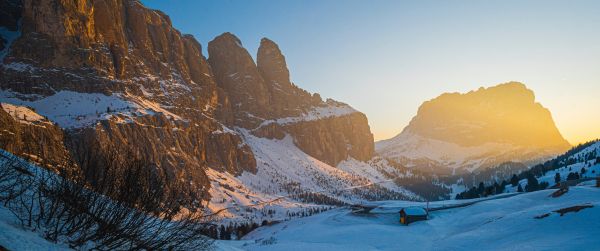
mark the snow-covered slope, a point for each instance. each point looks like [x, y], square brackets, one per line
[330, 109]
[413, 150]
[22, 114]
[581, 161]
[410, 149]
[523, 222]
[288, 174]
[14, 237]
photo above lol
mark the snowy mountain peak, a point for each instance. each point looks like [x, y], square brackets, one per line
[481, 128]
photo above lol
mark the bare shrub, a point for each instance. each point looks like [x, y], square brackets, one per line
[126, 209]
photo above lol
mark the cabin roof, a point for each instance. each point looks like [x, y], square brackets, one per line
[416, 211]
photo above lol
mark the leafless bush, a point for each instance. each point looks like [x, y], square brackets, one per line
[14, 179]
[126, 209]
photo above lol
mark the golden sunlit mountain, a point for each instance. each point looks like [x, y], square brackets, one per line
[506, 113]
[480, 128]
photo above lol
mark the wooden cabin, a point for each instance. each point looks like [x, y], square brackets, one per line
[411, 214]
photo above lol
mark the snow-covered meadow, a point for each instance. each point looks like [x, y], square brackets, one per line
[501, 224]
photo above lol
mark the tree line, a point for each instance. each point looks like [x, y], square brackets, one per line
[535, 172]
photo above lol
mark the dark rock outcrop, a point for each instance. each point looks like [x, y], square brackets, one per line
[256, 92]
[10, 13]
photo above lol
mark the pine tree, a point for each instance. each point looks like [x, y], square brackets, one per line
[498, 189]
[532, 183]
[557, 178]
[222, 233]
[481, 188]
[573, 176]
[519, 189]
[514, 180]
[489, 191]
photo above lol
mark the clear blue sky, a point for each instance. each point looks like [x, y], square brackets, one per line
[386, 57]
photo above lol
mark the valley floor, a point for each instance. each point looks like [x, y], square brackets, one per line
[501, 224]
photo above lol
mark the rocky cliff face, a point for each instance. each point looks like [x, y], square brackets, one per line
[261, 95]
[481, 128]
[106, 46]
[286, 98]
[236, 73]
[255, 92]
[161, 94]
[328, 140]
[117, 77]
[31, 136]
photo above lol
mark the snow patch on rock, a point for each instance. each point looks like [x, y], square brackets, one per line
[22, 114]
[76, 110]
[331, 109]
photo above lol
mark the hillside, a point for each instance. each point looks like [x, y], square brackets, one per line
[578, 164]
